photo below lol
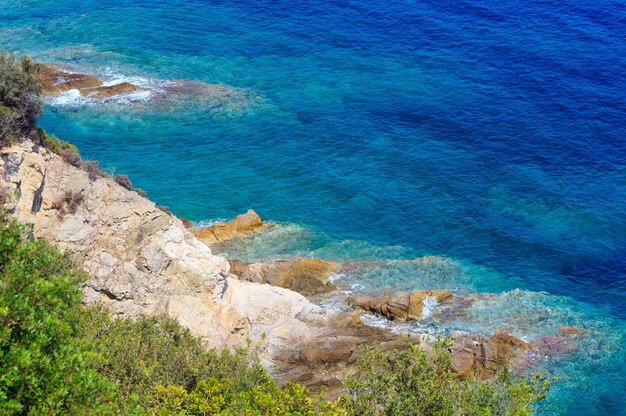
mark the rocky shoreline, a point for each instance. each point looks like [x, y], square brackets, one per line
[141, 260]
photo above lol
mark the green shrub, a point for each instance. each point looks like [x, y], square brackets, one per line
[44, 367]
[66, 150]
[412, 382]
[20, 104]
[222, 397]
[152, 351]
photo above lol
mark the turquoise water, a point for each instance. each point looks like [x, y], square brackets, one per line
[490, 134]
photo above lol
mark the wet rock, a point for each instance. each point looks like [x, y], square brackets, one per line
[555, 346]
[400, 306]
[476, 354]
[244, 224]
[55, 81]
[111, 90]
[302, 275]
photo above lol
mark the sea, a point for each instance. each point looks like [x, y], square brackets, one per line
[489, 136]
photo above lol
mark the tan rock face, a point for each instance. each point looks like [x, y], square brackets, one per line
[55, 81]
[401, 306]
[244, 224]
[302, 275]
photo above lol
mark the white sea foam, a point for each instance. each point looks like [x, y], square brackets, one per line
[70, 97]
[336, 277]
[429, 305]
[207, 223]
[357, 287]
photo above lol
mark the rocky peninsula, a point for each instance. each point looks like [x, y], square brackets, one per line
[141, 260]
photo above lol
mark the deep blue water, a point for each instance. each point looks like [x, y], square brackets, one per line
[491, 133]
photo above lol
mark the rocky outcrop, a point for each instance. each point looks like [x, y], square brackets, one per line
[55, 81]
[141, 260]
[303, 275]
[401, 306]
[243, 224]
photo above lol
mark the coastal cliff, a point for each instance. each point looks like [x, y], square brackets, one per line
[141, 260]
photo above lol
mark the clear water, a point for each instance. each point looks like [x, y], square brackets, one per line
[488, 133]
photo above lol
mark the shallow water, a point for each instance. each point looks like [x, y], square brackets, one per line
[490, 134]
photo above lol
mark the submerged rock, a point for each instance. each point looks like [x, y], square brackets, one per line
[400, 306]
[572, 331]
[303, 275]
[243, 224]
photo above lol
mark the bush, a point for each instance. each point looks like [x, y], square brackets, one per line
[20, 104]
[43, 365]
[165, 209]
[123, 181]
[92, 167]
[412, 382]
[215, 397]
[154, 351]
[69, 203]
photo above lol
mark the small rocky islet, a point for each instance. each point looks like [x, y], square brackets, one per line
[57, 80]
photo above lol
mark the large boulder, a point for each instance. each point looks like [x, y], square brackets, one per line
[401, 306]
[243, 224]
[303, 275]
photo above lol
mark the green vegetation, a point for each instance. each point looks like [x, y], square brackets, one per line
[44, 367]
[20, 105]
